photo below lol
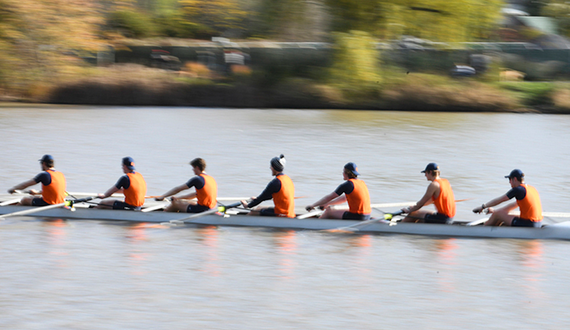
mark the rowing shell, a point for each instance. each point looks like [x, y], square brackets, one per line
[556, 231]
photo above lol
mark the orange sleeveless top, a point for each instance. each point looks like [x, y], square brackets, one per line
[445, 202]
[359, 199]
[136, 192]
[54, 193]
[208, 195]
[284, 199]
[530, 206]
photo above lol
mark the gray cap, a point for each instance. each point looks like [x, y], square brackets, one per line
[278, 163]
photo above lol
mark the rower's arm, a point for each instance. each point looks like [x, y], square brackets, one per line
[324, 201]
[426, 199]
[338, 200]
[491, 203]
[109, 192]
[172, 191]
[22, 186]
[191, 195]
[272, 187]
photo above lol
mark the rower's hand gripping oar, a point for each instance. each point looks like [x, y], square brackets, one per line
[312, 212]
[189, 219]
[48, 207]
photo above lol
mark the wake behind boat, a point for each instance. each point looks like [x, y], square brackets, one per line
[555, 231]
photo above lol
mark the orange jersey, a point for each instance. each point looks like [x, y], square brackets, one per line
[207, 196]
[284, 199]
[359, 199]
[134, 195]
[445, 202]
[530, 205]
[54, 193]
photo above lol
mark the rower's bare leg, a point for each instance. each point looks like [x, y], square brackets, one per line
[179, 205]
[502, 216]
[26, 201]
[332, 213]
[416, 216]
[106, 204]
[256, 211]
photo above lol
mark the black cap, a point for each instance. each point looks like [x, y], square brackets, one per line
[46, 159]
[278, 163]
[352, 168]
[431, 167]
[516, 173]
[129, 163]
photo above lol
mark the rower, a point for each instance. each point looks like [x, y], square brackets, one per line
[280, 189]
[353, 191]
[53, 185]
[206, 192]
[132, 185]
[439, 193]
[527, 200]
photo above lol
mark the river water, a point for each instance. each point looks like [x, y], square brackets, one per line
[59, 274]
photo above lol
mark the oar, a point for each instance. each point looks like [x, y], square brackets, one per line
[225, 199]
[91, 194]
[556, 214]
[353, 228]
[45, 208]
[155, 207]
[34, 210]
[10, 202]
[228, 199]
[221, 209]
[374, 206]
[315, 212]
[409, 203]
[392, 204]
[477, 222]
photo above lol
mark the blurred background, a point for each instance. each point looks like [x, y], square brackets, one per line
[465, 55]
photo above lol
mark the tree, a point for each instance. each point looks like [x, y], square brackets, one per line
[438, 20]
[559, 10]
[39, 38]
[356, 68]
[219, 15]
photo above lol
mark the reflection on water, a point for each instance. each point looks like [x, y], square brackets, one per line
[447, 254]
[208, 236]
[285, 241]
[531, 257]
[99, 275]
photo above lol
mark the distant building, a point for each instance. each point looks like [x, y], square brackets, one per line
[518, 26]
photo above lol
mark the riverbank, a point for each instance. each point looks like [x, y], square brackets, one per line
[132, 85]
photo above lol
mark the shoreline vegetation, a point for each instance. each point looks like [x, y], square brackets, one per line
[136, 85]
[366, 54]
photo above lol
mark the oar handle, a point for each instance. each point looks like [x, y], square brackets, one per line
[389, 216]
[224, 208]
[80, 200]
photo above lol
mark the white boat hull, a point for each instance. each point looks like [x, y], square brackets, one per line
[557, 231]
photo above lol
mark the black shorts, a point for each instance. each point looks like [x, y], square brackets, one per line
[268, 212]
[38, 201]
[518, 222]
[436, 218]
[118, 205]
[196, 208]
[355, 216]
